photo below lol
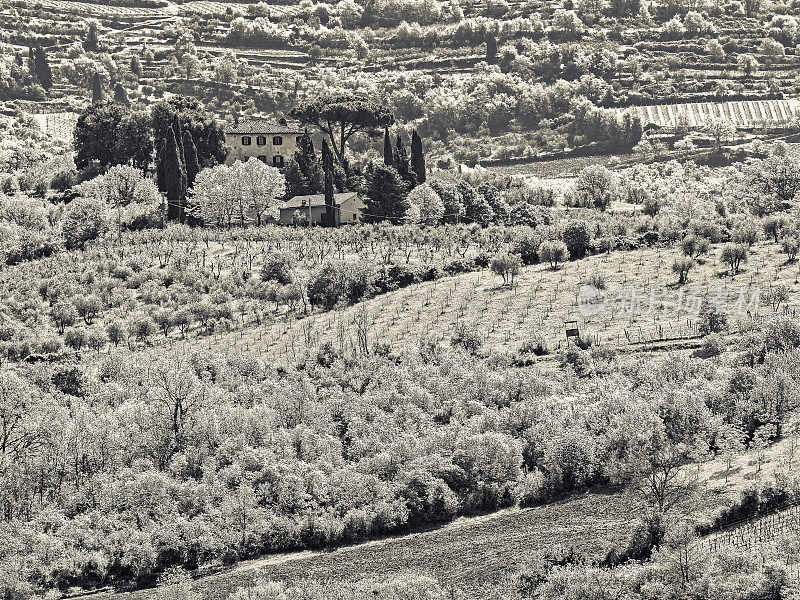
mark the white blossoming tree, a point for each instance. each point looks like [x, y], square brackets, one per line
[249, 190]
[424, 206]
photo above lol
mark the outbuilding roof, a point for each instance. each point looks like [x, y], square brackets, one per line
[317, 200]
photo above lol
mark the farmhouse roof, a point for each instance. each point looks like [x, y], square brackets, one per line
[317, 200]
[260, 126]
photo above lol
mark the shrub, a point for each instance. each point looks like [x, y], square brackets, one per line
[278, 267]
[554, 252]
[64, 180]
[326, 286]
[506, 265]
[681, 267]
[790, 248]
[526, 244]
[535, 346]
[734, 255]
[459, 265]
[576, 359]
[360, 281]
[577, 239]
[532, 489]
[712, 318]
[75, 338]
[694, 246]
[712, 345]
[467, 338]
[84, 219]
[397, 276]
[597, 281]
[336, 281]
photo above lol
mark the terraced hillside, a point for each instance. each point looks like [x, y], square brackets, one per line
[749, 114]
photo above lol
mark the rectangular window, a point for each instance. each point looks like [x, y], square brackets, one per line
[246, 141]
[262, 158]
[261, 140]
[277, 141]
[277, 160]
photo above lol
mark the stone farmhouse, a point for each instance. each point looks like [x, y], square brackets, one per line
[270, 142]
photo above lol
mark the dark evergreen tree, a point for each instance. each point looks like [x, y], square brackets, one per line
[96, 136]
[120, 95]
[388, 155]
[177, 128]
[330, 202]
[97, 89]
[134, 143]
[402, 165]
[296, 182]
[190, 156]
[309, 166]
[90, 44]
[161, 179]
[32, 61]
[386, 194]
[418, 158]
[174, 178]
[208, 135]
[491, 49]
[42, 68]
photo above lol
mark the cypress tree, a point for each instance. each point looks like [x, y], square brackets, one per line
[120, 95]
[491, 49]
[296, 182]
[388, 156]
[190, 154]
[330, 202]
[177, 127]
[417, 157]
[161, 179]
[401, 163]
[31, 61]
[386, 194]
[305, 155]
[43, 71]
[174, 178]
[97, 89]
[309, 166]
[90, 44]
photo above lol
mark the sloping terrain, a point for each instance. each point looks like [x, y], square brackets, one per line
[467, 553]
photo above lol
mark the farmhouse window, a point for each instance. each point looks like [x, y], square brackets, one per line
[261, 140]
[277, 160]
[246, 141]
[277, 141]
[262, 158]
